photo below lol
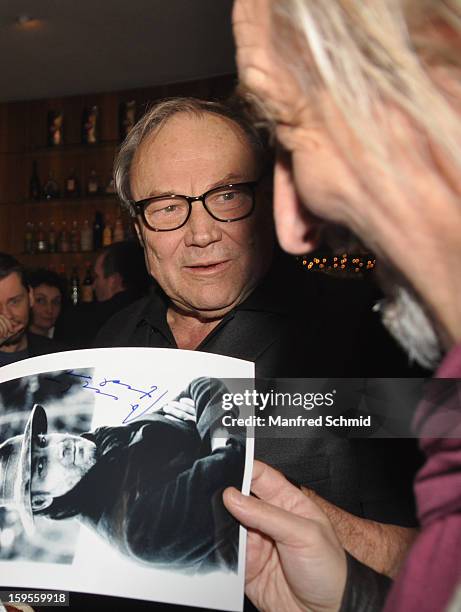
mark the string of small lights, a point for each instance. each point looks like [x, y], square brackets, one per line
[346, 262]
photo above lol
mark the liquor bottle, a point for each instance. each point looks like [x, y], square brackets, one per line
[52, 238]
[41, 244]
[87, 285]
[72, 186]
[64, 245]
[74, 287]
[107, 233]
[98, 228]
[90, 125]
[35, 190]
[110, 186]
[119, 233]
[51, 189]
[92, 187]
[86, 237]
[29, 246]
[55, 128]
[127, 118]
[74, 238]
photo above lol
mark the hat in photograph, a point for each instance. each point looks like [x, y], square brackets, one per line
[16, 467]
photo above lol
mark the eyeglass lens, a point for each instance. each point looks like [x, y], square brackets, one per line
[224, 204]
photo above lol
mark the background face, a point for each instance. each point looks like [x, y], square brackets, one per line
[206, 267]
[47, 306]
[14, 303]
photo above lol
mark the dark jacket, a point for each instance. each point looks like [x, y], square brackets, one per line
[78, 326]
[36, 345]
[41, 345]
[155, 491]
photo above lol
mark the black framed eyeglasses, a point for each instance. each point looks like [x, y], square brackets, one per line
[226, 203]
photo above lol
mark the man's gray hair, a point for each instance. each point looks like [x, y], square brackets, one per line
[366, 53]
[159, 114]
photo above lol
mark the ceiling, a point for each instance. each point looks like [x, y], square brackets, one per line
[88, 46]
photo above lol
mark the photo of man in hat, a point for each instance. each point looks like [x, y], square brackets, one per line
[151, 488]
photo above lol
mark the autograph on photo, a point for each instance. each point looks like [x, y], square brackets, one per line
[137, 409]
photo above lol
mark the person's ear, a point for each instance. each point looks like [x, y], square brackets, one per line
[30, 291]
[40, 501]
[296, 227]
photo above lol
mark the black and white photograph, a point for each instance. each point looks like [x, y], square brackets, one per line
[110, 471]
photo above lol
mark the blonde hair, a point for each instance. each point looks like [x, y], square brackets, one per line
[368, 51]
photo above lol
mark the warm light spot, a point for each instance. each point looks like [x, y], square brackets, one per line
[25, 22]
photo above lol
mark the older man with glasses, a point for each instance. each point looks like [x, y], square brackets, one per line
[196, 178]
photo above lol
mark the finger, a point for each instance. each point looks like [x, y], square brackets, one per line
[6, 326]
[178, 413]
[282, 526]
[188, 404]
[183, 406]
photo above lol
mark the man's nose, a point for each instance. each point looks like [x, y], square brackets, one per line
[67, 452]
[201, 228]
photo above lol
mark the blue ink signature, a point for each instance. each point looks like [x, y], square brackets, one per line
[134, 408]
[117, 381]
[86, 384]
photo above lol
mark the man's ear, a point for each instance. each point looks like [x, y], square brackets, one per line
[30, 291]
[40, 501]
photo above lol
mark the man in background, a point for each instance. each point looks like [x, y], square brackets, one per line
[16, 299]
[120, 278]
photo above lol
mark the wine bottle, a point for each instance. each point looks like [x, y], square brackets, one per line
[51, 189]
[110, 186]
[93, 183]
[98, 228]
[107, 234]
[87, 285]
[55, 128]
[64, 245]
[29, 238]
[42, 246]
[119, 233]
[35, 190]
[86, 237]
[90, 125]
[74, 287]
[74, 238]
[52, 238]
[72, 186]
